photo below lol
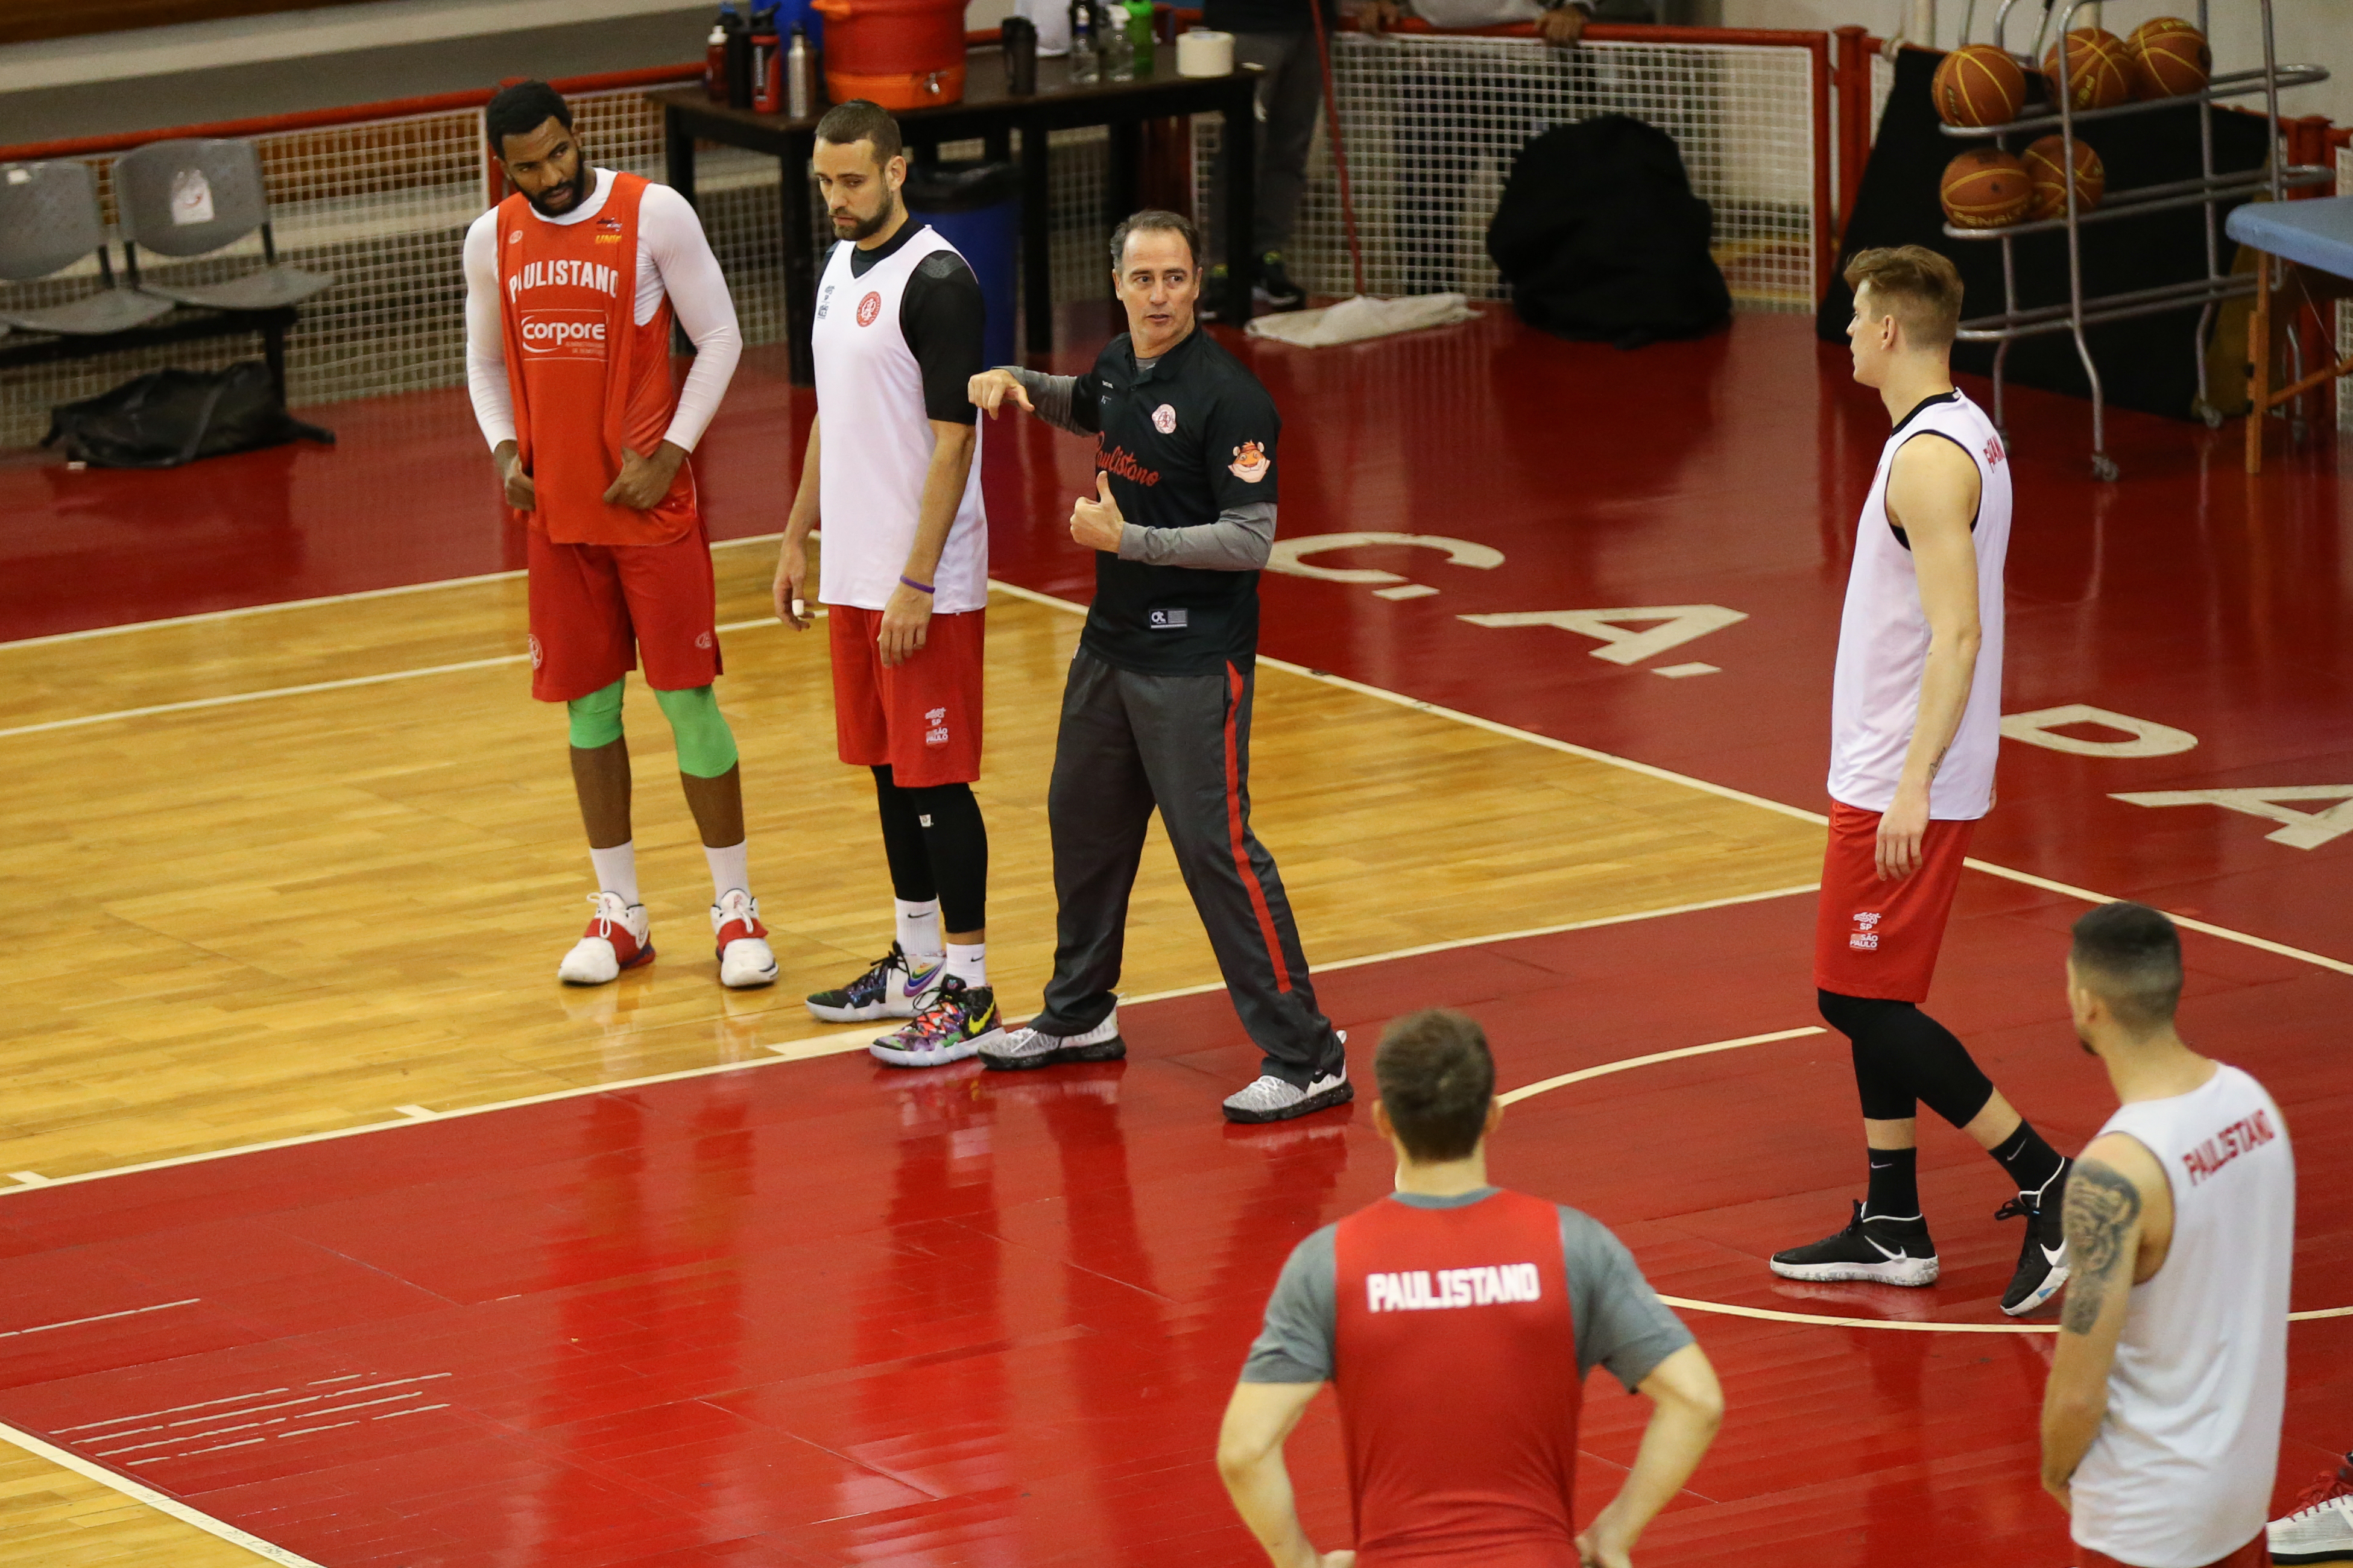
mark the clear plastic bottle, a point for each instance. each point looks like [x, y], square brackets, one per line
[1111, 42]
[1086, 67]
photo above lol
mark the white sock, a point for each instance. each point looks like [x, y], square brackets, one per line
[729, 868]
[616, 870]
[969, 965]
[918, 928]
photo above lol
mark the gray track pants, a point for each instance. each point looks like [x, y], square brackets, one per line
[1130, 743]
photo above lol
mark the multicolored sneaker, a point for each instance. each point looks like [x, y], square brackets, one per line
[746, 959]
[2320, 1527]
[889, 989]
[951, 1024]
[619, 936]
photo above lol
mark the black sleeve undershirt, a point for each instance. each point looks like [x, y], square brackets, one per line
[943, 317]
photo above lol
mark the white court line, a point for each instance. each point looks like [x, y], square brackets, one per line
[161, 1502]
[101, 1317]
[174, 1410]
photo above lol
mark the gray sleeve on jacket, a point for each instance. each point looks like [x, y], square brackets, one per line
[1620, 1322]
[1302, 1317]
[1239, 541]
[1051, 396]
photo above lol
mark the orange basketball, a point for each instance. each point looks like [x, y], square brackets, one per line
[2100, 64]
[1984, 188]
[2169, 57]
[1978, 85]
[2047, 197]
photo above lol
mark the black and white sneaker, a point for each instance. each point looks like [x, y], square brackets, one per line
[1882, 1251]
[2042, 1258]
[1272, 288]
[890, 989]
[1018, 1050]
[1272, 1098]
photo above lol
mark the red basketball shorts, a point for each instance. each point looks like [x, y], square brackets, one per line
[1880, 939]
[923, 717]
[598, 609]
[2255, 1553]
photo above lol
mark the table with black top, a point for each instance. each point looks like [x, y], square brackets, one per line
[991, 113]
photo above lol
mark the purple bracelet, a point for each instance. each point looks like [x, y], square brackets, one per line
[918, 587]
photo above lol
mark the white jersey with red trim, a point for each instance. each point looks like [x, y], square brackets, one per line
[875, 446]
[2180, 1473]
[1884, 635]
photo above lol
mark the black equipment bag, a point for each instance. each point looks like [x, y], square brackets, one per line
[1600, 236]
[167, 417]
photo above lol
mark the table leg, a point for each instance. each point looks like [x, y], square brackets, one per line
[1120, 170]
[678, 173]
[1036, 242]
[997, 145]
[2258, 362]
[800, 254]
[1241, 134]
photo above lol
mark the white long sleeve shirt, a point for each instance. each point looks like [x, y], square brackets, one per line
[673, 257]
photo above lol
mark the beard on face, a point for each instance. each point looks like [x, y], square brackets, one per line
[582, 181]
[862, 228]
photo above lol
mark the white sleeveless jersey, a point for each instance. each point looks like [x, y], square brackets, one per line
[1883, 635]
[2180, 1473]
[875, 444]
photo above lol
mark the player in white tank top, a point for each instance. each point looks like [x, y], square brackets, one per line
[2161, 1420]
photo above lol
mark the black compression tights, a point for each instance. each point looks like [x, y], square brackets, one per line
[938, 848]
[1903, 1059]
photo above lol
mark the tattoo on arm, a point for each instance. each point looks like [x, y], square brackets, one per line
[2102, 1206]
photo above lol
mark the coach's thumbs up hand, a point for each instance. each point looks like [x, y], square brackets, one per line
[1095, 520]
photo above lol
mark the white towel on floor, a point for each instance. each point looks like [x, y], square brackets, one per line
[1355, 320]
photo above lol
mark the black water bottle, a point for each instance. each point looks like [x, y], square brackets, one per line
[739, 57]
[1020, 35]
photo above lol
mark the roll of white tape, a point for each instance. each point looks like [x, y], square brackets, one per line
[1204, 53]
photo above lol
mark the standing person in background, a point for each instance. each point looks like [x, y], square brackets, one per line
[1457, 1322]
[893, 471]
[1279, 37]
[571, 284]
[2161, 1418]
[1156, 711]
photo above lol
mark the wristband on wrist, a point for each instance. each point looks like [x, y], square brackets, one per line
[918, 587]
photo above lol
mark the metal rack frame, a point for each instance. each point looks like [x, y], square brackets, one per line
[2277, 177]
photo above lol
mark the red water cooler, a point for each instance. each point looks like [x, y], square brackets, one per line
[900, 54]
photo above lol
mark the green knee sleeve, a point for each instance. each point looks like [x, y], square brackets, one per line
[596, 718]
[706, 746]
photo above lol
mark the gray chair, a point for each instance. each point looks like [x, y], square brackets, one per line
[191, 197]
[49, 219]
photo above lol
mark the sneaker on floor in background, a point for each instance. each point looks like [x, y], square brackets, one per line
[1209, 304]
[1018, 1050]
[744, 959]
[1884, 1251]
[889, 989]
[619, 936]
[1272, 1098]
[2043, 1259]
[1272, 288]
[951, 1024]
[2320, 1528]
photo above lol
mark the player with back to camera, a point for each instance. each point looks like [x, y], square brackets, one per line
[1916, 716]
[1156, 709]
[2161, 1416]
[893, 471]
[571, 287]
[1456, 1321]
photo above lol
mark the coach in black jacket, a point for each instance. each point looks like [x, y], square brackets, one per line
[1157, 711]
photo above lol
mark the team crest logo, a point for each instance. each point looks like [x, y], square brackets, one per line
[1163, 420]
[867, 308]
[702, 640]
[537, 657]
[515, 238]
[1251, 463]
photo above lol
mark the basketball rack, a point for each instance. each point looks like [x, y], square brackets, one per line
[2276, 178]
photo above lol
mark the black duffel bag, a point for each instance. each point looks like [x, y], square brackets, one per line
[1600, 238]
[167, 417]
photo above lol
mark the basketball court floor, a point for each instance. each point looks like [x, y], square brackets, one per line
[339, 1233]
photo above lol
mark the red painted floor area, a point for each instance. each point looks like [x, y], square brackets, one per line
[826, 1314]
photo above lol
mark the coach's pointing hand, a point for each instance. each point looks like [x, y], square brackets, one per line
[1095, 522]
[520, 495]
[645, 480]
[990, 388]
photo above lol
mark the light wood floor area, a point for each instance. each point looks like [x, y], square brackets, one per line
[298, 913]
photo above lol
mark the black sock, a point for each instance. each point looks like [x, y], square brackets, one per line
[2030, 1161]
[1895, 1184]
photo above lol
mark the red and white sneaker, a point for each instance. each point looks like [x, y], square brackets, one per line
[619, 936]
[744, 957]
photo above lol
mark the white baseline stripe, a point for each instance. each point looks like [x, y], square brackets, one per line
[101, 1317]
[1541, 1086]
[160, 1501]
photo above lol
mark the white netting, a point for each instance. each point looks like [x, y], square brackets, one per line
[1434, 123]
